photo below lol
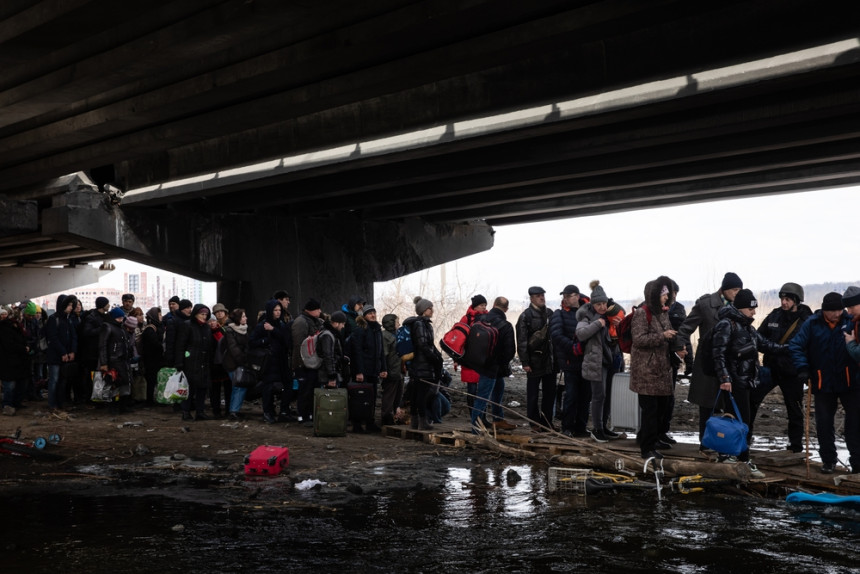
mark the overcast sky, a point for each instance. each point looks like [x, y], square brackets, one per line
[805, 238]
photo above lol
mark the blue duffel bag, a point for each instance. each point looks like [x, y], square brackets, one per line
[725, 433]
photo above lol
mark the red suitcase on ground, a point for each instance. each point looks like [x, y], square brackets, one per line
[267, 460]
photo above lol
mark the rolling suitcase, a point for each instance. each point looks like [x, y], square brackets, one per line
[330, 412]
[267, 460]
[361, 401]
[624, 410]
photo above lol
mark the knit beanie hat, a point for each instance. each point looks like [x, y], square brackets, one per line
[832, 302]
[185, 304]
[421, 305]
[130, 322]
[312, 305]
[116, 313]
[338, 317]
[598, 295]
[219, 307]
[174, 299]
[745, 300]
[102, 302]
[851, 296]
[478, 300]
[30, 309]
[731, 281]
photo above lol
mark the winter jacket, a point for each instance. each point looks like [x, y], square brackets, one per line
[820, 353]
[677, 316]
[650, 367]
[116, 350]
[151, 346]
[389, 348]
[540, 359]
[367, 354]
[427, 363]
[774, 328]
[568, 350]
[300, 328]
[330, 350]
[14, 359]
[89, 332]
[468, 375]
[736, 348]
[599, 353]
[62, 338]
[172, 322]
[195, 339]
[348, 309]
[500, 363]
[275, 342]
[703, 317]
[235, 346]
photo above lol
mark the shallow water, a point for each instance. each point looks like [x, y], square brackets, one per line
[484, 519]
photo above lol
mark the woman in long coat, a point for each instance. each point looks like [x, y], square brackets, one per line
[194, 348]
[651, 374]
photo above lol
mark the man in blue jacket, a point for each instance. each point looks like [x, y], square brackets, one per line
[821, 356]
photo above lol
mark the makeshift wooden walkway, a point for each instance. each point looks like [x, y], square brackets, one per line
[783, 469]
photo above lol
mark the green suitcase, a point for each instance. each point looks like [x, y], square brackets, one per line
[330, 412]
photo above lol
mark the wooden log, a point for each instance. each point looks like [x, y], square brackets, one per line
[489, 442]
[603, 461]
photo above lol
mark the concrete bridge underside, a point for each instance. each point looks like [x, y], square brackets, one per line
[398, 130]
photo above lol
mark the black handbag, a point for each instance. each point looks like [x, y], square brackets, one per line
[257, 359]
[244, 377]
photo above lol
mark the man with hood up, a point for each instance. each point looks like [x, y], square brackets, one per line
[352, 309]
[62, 349]
[781, 326]
[193, 356]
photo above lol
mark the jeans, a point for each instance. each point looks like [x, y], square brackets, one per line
[10, 394]
[577, 397]
[440, 407]
[237, 397]
[56, 387]
[599, 402]
[485, 389]
[496, 397]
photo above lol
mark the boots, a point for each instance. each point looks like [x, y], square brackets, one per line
[413, 422]
[424, 424]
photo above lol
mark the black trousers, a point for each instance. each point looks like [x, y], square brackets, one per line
[654, 409]
[792, 396]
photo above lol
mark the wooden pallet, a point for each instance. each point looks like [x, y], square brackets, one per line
[446, 439]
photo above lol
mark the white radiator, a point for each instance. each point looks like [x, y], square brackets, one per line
[625, 404]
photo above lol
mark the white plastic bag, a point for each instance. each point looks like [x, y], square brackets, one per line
[176, 388]
[103, 389]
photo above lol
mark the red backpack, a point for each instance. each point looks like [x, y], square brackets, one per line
[454, 341]
[624, 329]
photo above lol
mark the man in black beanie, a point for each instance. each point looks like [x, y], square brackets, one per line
[819, 350]
[780, 326]
[703, 316]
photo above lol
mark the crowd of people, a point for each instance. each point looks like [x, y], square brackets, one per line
[579, 341]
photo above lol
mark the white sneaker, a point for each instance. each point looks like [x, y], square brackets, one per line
[728, 458]
[754, 471]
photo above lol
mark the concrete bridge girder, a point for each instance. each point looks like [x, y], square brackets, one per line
[253, 255]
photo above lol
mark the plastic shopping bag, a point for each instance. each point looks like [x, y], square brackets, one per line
[104, 390]
[176, 388]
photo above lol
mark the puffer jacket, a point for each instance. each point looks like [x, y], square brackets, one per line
[773, 328]
[427, 363]
[736, 348]
[236, 346]
[195, 340]
[822, 354]
[599, 354]
[540, 360]
[650, 368]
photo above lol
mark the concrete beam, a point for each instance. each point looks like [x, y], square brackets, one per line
[18, 216]
[18, 283]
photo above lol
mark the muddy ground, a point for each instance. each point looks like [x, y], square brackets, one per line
[153, 440]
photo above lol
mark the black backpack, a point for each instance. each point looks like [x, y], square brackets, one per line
[480, 345]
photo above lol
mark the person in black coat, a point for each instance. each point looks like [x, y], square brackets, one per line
[14, 361]
[568, 354]
[781, 326]
[62, 349]
[368, 362]
[152, 350]
[736, 347]
[271, 338]
[116, 350]
[193, 356]
[172, 323]
[425, 369]
[491, 383]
